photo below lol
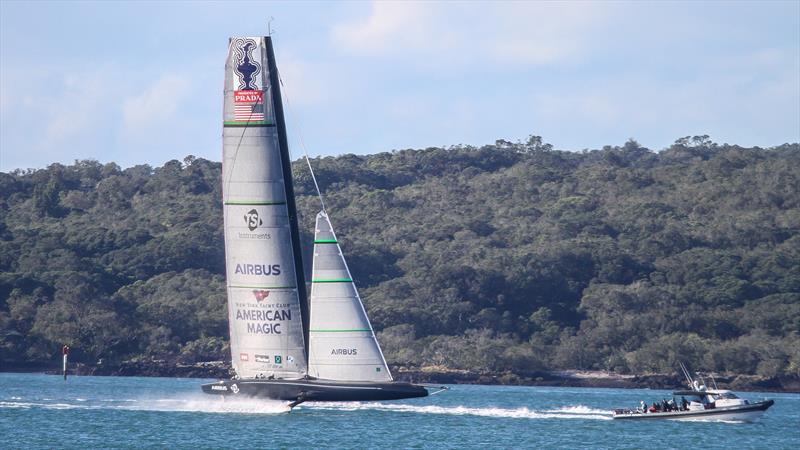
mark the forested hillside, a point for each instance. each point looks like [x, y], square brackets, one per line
[513, 256]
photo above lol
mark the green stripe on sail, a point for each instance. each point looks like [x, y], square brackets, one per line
[253, 203]
[339, 331]
[262, 287]
[325, 241]
[255, 123]
[333, 280]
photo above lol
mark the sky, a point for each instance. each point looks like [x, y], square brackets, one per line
[141, 82]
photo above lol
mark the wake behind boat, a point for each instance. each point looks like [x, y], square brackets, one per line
[699, 403]
[283, 345]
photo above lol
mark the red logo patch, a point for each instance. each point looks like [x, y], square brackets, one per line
[260, 295]
[248, 96]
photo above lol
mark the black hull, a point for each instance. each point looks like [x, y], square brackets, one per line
[744, 412]
[316, 390]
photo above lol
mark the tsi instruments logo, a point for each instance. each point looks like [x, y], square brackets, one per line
[253, 221]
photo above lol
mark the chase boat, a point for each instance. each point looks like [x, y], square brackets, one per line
[712, 404]
[699, 403]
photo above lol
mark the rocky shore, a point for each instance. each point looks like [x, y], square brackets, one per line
[439, 375]
[595, 379]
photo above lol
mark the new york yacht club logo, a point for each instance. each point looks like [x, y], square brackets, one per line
[246, 67]
[260, 295]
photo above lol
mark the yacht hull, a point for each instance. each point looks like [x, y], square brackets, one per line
[315, 390]
[741, 413]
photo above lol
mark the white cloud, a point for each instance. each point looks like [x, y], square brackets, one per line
[305, 83]
[67, 110]
[729, 106]
[541, 32]
[508, 33]
[83, 103]
[156, 104]
[394, 26]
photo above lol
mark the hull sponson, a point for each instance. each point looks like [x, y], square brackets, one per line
[746, 413]
[316, 390]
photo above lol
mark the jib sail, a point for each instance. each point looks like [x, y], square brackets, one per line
[342, 345]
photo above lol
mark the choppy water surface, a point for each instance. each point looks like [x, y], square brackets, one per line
[43, 411]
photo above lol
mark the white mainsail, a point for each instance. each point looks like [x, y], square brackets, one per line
[342, 344]
[264, 299]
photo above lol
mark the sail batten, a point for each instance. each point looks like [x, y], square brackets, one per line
[266, 295]
[342, 343]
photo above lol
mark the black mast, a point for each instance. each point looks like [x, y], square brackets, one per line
[288, 185]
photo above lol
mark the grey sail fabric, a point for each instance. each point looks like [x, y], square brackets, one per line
[342, 345]
[264, 312]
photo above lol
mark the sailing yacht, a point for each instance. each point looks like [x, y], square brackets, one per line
[284, 345]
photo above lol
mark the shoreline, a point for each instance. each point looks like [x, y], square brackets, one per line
[601, 379]
[438, 375]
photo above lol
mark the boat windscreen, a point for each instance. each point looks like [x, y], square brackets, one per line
[691, 393]
[728, 395]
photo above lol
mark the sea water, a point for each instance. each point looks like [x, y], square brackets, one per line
[44, 411]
